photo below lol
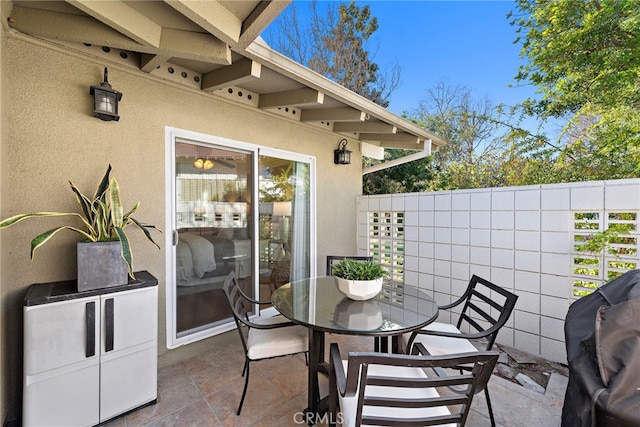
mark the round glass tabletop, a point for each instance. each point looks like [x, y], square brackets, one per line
[318, 303]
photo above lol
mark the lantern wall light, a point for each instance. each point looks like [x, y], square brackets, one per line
[342, 156]
[105, 100]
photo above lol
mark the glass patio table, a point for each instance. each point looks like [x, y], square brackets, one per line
[318, 304]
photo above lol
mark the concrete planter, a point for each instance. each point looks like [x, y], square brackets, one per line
[100, 265]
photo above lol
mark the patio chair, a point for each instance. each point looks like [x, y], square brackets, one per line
[333, 259]
[262, 337]
[480, 302]
[391, 389]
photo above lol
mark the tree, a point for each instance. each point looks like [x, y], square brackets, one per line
[410, 177]
[472, 156]
[335, 45]
[584, 58]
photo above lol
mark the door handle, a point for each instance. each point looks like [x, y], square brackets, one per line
[109, 326]
[175, 237]
[90, 323]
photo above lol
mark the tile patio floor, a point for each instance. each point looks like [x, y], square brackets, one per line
[205, 391]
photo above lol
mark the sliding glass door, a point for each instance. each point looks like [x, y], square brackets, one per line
[284, 230]
[216, 227]
[213, 231]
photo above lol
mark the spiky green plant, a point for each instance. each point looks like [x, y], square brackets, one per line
[102, 215]
[351, 269]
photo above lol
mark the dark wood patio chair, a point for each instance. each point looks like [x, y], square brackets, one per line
[486, 308]
[396, 390]
[262, 337]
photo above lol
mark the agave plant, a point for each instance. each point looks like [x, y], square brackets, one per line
[103, 217]
[351, 269]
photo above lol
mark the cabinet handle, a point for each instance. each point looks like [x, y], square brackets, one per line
[108, 306]
[90, 322]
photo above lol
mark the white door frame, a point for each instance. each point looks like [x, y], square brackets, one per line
[171, 134]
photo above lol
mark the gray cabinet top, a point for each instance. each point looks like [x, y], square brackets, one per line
[45, 293]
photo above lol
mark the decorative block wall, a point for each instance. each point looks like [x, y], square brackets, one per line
[525, 239]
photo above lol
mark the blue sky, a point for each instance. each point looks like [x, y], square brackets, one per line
[460, 42]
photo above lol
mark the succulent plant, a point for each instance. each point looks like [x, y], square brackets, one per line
[103, 217]
[351, 269]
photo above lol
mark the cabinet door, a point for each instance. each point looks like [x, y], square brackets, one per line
[61, 363]
[130, 318]
[60, 334]
[128, 376]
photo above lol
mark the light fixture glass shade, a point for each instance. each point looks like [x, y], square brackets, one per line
[105, 100]
[342, 156]
[203, 164]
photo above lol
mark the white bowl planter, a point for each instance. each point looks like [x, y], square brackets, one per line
[360, 290]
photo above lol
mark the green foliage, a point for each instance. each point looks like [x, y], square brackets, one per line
[584, 58]
[409, 177]
[602, 241]
[102, 215]
[351, 269]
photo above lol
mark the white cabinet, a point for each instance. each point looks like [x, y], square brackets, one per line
[89, 356]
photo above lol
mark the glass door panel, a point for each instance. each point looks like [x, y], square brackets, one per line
[284, 223]
[213, 186]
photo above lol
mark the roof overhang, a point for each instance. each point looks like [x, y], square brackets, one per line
[214, 47]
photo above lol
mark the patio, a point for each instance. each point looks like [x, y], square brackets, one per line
[205, 389]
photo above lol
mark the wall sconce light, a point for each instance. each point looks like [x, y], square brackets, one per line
[203, 164]
[105, 100]
[342, 156]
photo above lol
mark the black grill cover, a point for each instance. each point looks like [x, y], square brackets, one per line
[602, 333]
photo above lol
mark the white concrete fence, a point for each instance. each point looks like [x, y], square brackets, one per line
[525, 239]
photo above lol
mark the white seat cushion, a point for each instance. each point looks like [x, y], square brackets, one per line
[442, 345]
[265, 343]
[269, 320]
[349, 405]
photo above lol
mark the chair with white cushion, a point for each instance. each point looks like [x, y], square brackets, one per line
[262, 337]
[392, 389]
[486, 308]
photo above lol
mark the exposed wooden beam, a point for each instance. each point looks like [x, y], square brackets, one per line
[333, 115]
[260, 18]
[86, 29]
[401, 145]
[390, 137]
[378, 127]
[128, 21]
[298, 98]
[148, 62]
[66, 27]
[426, 151]
[212, 16]
[240, 71]
[196, 46]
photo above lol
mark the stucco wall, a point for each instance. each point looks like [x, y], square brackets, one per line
[520, 238]
[3, 176]
[51, 137]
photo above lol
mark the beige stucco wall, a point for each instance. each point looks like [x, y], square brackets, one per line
[49, 137]
[3, 137]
